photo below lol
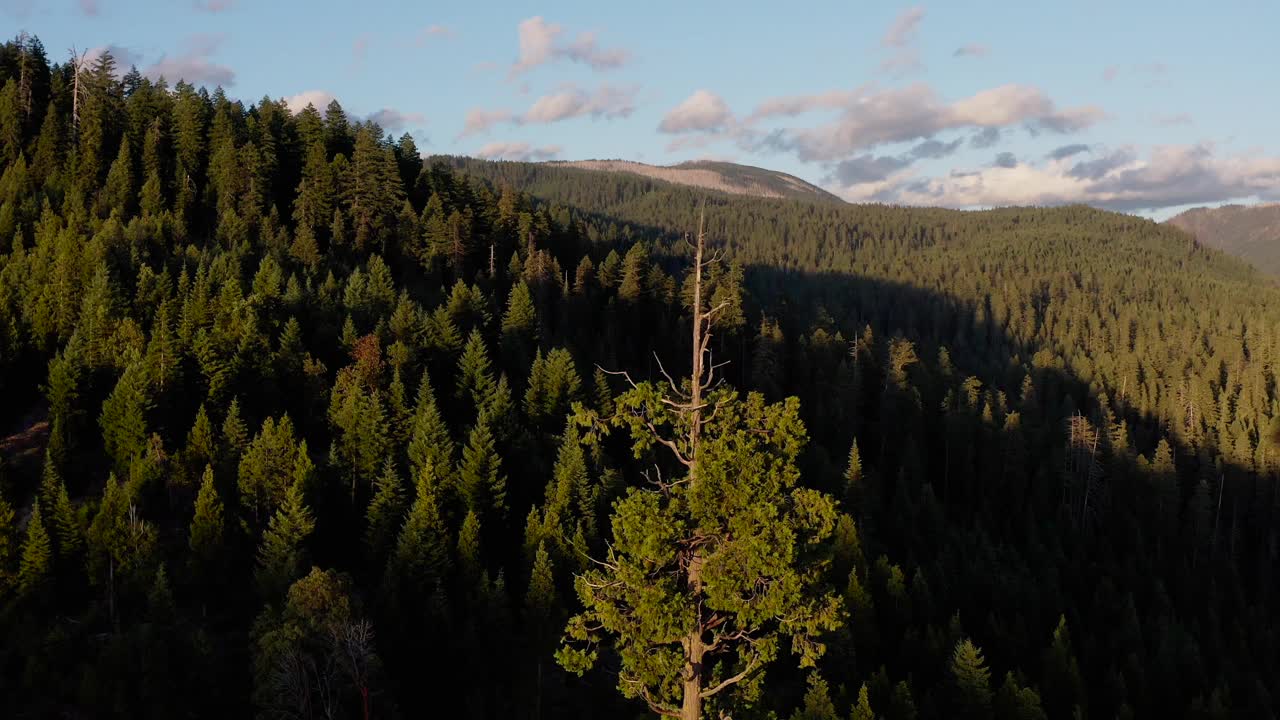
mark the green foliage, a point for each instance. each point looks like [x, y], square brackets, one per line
[37, 555]
[282, 552]
[123, 418]
[817, 701]
[757, 538]
[386, 510]
[481, 482]
[972, 681]
[207, 532]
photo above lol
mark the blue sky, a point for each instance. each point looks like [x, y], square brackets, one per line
[1135, 105]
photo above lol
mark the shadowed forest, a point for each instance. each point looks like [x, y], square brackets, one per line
[296, 423]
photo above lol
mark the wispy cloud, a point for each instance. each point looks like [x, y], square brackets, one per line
[899, 40]
[215, 6]
[606, 102]
[194, 63]
[974, 50]
[432, 32]
[903, 30]
[702, 111]
[872, 117]
[89, 7]
[390, 119]
[1123, 179]
[540, 44]
[518, 151]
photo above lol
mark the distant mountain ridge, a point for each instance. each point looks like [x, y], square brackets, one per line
[1250, 232]
[715, 175]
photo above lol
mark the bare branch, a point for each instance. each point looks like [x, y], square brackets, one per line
[674, 388]
[732, 680]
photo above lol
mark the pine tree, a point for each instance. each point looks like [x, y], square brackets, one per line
[1013, 702]
[862, 710]
[470, 561]
[422, 555]
[207, 526]
[855, 492]
[123, 418]
[733, 476]
[971, 681]
[201, 445]
[430, 447]
[118, 194]
[37, 555]
[554, 386]
[282, 553]
[519, 327]
[66, 525]
[1062, 685]
[480, 479]
[386, 510]
[634, 266]
[817, 701]
[8, 550]
[265, 467]
[475, 377]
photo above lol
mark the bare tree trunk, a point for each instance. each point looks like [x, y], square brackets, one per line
[691, 707]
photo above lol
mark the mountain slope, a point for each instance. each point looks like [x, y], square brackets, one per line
[712, 175]
[1248, 232]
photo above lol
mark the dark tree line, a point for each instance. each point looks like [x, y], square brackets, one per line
[302, 425]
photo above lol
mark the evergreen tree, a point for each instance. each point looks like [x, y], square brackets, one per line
[430, 447]
[386, 510]
[862, 709]
[972, 681]
[205, 537]
[282, 552]
[475, 378]
[8, 547]
[123, 418]
[37, 555]
[470, 561]
[734, 476]
[480, 479]
[422, 554]
[817, 701]
[519, 327]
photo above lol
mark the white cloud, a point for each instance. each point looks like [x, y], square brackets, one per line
[479, 120]
[538, 46]
[518, 151]
[900, 39]
[319, 98]
[903, 30]
[874, 117]
[89, 7]
[391, 119]
[702, 111]
[193, 64]
[123, 56]
[1168, 176]
[606, 102]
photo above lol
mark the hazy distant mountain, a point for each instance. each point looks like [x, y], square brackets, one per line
[1251, 232]
[724, 176]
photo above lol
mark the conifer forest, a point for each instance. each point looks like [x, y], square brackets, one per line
[296, 422]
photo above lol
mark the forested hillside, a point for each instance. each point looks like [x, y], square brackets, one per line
[296, 424]
[1251, 232]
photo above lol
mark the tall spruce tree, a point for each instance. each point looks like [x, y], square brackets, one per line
[710, 570]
